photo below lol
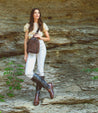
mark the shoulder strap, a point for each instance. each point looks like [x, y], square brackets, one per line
[37, 30]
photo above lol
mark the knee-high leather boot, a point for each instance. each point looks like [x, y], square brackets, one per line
[37, 94]
[36, 78]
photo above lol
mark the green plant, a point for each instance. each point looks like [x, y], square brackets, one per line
[12, 71]
[2, 98]
[88, 70]
[95, 77]
[10, 94]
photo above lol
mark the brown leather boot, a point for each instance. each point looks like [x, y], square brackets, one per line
[38, 88]
[44, 84]
[36, 100]
[51, 90]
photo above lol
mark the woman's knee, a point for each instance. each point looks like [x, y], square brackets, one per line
[29, 75]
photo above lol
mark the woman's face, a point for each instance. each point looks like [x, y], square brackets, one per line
[36, 14]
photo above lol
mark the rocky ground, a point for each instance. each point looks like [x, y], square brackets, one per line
[73, 48]
[75, 91]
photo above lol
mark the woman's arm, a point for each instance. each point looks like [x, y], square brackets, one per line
[25, 46]
[47, 38]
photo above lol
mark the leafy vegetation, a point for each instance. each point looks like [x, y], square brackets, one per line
[12, 72]
[2, 98]
[88, 70]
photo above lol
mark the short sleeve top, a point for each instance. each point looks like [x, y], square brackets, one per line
[31, 33]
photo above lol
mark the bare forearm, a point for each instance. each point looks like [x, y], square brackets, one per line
[45, 39]
[25, 42]
[25, 46]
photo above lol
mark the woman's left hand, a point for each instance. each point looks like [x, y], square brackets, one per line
[38, 36]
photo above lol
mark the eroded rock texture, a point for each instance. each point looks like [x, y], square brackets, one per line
[72, 19]
[73, 47]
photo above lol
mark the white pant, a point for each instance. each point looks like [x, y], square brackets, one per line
[31, 60]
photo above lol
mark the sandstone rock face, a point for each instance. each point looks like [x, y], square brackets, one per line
[72, 48]
[65, 18]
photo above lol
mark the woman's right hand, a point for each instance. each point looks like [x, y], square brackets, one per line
[25, 57]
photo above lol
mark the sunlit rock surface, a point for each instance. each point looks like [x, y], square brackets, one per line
[75, 20]
[72, 48]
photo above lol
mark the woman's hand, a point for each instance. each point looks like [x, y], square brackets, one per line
[47, 38]
[38, 36]
[25, 57]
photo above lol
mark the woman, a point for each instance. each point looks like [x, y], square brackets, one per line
[30, 58]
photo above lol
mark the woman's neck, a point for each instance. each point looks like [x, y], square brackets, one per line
[35, 21]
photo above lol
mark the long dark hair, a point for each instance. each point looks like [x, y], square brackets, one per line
[40, 22]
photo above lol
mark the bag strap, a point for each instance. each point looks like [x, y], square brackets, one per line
[37, 30]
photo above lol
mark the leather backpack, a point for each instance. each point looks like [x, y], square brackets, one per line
[33, 44]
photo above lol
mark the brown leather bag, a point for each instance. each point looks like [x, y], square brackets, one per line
[33, 44]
